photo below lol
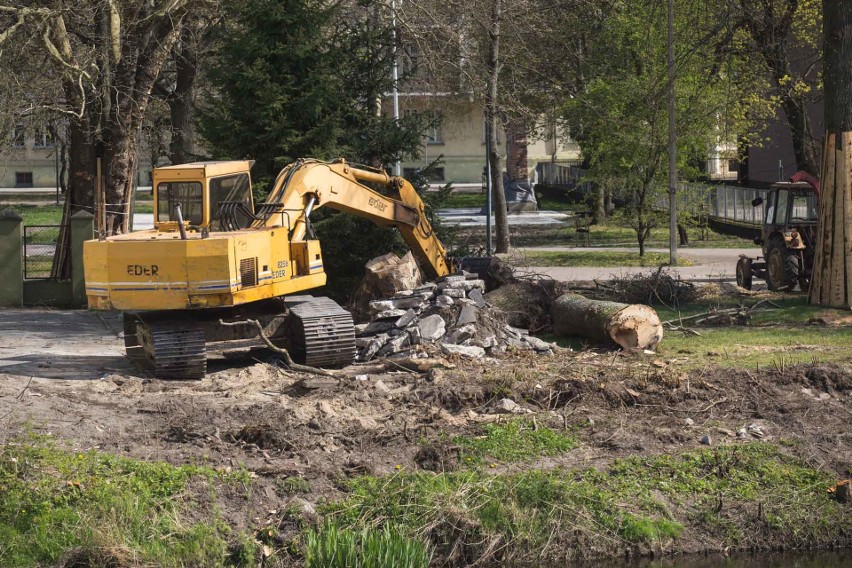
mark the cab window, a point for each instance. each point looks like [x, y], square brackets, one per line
[781, 208]
[188, 194]
[232, 188]
[804, 208]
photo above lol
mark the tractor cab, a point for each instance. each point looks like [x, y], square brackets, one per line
[205, 195]
[791, 209]
[788, 236]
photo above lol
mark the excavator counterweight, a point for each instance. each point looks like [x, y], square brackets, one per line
[214, 256]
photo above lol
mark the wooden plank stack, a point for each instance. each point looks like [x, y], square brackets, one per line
[831, 284]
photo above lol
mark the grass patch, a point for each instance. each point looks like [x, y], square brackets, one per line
[610, 234]
[539, 516]
[514, 441]
[40, 214]
[52, 214]
[750, 346]
[99, 506]
[591, 257]
[333, 547]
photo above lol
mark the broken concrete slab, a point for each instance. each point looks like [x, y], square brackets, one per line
[409, 316]
[468, 315]
[389, 314]
[395, 345]
[476, 296]
[464, 350]
[378, 326]
[444, 301]
[454, 292]
[461, 334]
[432, 327]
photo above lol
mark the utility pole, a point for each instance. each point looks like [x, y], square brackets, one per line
[672, 144]
[397, 166]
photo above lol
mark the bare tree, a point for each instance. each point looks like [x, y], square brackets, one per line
[106, 55]
[490, 51]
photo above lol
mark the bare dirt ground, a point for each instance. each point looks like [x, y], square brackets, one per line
[64, 373]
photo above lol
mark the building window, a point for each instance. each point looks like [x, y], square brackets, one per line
[23, 179]
[18, 138]
[733, 165]
[43, 137]
[435, 130]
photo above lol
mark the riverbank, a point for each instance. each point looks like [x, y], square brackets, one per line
[726, 441]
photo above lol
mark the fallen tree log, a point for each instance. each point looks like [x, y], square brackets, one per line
[632, 326]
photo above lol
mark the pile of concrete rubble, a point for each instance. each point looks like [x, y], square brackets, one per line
[450, 315]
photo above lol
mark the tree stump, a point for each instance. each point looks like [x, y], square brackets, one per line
[631, 326]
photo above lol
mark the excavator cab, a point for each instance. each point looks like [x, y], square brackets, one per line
[205, 195]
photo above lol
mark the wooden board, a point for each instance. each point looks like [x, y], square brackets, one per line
[826, 222]
[837, 295]
[843, 170]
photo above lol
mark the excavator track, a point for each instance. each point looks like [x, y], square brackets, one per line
[166, 348]
[320, 333]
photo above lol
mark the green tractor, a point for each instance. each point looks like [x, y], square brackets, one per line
[788, 238]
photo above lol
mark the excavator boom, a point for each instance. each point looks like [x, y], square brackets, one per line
[310, 184]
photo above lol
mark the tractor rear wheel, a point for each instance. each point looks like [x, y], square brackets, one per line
[782, 266]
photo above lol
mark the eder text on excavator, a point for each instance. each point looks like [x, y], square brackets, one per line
[213, 256]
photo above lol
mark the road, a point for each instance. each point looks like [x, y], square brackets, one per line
[709, 264]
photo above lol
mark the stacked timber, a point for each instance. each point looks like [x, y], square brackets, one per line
[831, 284]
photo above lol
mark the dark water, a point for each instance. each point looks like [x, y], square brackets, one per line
[837, 559]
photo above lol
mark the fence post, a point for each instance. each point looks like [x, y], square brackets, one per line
[11, 259]
[82, 229]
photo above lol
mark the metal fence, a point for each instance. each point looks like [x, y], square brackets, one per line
[40, 242]
[559, 175]
[731, 203]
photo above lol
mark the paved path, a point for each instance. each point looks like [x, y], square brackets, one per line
[709, 264]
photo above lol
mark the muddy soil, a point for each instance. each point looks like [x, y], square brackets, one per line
[63, 373]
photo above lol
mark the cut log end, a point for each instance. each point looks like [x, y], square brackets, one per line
[633, 327]
[636, 327]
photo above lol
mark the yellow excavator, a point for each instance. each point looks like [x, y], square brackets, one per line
[214, 257]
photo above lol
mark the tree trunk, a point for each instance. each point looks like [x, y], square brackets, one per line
[501, 216]
[831, 284]
[804, 145]
[180, 103]
[599, 212]
[633, 327]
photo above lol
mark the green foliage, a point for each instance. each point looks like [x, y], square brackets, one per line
[333, 547]
[293, 484]
[635, 501]
[100, 505]
[300, 78]
[513, 441]
[620, 117]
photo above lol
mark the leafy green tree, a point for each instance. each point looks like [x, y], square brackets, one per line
[305, 78]
[618, 113]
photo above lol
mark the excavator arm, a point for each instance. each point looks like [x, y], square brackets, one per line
[306, 185]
